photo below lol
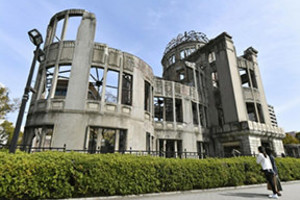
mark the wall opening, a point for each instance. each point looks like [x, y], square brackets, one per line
[251, 112]
[147, 96]
[195, 113]
[215, 79]
[158, 108]
[95, 83]
[126, 89]
[72, 28]
[64, 72]
[58, 31]
[169, 109]
[42, 137]
[112, 86]
[178, 110]
[105, 140]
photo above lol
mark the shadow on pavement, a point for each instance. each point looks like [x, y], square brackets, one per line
[245, 195]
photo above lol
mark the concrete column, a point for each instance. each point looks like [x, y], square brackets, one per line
[229, 79]
[82, 58]
[175, 148]
[117, 136]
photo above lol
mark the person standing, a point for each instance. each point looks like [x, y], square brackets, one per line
[276, 177]
[265, 162]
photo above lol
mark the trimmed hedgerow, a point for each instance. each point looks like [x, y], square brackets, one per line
[64, 175]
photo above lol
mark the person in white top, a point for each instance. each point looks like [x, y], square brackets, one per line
[265, 162]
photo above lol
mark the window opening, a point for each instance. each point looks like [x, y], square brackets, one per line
[126, 89]
[178, 109]
[215, 80]
[122, 140]
[58, 31]
[72, 29]
[260, 113]
[93, 137]
[112, 86]
[251, 112]
[244, 78]
[253, 79]
[42, 137]
[195, 113]
[211, 57]
[64, 72]
[158, 108]
[95, 83]
[181, 75]
[147, 96]
[182, 54]
[108, 140]
[48, 83]
[169, 109]
[172, 59]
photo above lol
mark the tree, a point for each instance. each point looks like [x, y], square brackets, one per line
[298, 136]
[6, 105]
[289, 139]
[6, 133]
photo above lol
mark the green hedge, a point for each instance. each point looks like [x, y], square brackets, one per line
[65, 175]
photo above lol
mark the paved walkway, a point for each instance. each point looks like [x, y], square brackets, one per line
[291, 191]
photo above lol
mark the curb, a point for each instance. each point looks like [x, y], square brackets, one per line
[182, 192]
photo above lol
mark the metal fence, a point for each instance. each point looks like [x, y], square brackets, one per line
[166, 154]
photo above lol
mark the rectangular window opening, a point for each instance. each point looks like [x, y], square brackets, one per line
[64, 72]
[169, 109]
[126, 89]
[158, 108]
[112, 86]
[215, 79]
[253, 79]
[58, 31]
[72, 28]
[195, 113]
[95, 83]
[178, 110]
[147, 96]
[251, 112]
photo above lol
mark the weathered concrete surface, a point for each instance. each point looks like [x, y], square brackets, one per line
[230, 193]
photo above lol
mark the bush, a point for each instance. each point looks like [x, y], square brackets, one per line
[64, 175]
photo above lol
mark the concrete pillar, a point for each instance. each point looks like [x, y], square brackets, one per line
[83, 52]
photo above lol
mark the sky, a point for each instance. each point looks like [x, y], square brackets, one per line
[144, 28]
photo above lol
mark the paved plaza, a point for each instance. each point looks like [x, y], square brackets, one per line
[254, 192]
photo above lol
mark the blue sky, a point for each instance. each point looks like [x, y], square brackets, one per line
[144, 27]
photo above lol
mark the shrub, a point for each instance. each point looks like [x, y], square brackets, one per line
[64, 175]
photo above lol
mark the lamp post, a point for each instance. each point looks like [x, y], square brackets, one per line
[37, 39]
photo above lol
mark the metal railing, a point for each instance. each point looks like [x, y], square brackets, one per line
[166, 154]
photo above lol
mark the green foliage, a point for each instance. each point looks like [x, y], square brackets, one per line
[6, 105]
[7, 131]
[298, 136]
[289, 139]
[54, 175]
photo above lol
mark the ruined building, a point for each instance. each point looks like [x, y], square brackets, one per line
[94, 97]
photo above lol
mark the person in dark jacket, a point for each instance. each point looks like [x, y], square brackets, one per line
[277, 180]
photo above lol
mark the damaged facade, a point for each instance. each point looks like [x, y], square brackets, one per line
[97, 98]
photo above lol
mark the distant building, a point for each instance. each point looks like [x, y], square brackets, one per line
[94, 97]
[272, 116]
